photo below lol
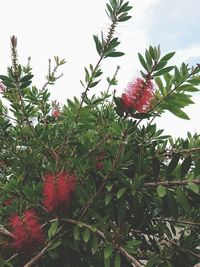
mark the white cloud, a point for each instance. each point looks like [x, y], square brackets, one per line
[188, 53]
[65, 28]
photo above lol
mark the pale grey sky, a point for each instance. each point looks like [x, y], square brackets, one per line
[65, 28]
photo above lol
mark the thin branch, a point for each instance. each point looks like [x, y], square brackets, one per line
[38, 256]
[129, 257]
[8, 117]
[108, 40]
[181, 248]
[5, 232]
[121, 250]
[176, 221]
[171, 183]
[12, 257]
[169, 153]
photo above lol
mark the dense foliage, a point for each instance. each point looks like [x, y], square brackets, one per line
[94, 182]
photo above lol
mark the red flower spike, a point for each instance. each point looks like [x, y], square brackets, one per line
[99, 161]
[57, 191]
[27, 230]
[8, 202]
[138, 95]
[55, 113]
[2, 87]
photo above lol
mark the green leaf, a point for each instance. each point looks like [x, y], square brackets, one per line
[161, 191]
[134, 244]
[26, 78]
[94, 84]
[172, 204]
[115, 54]
[109, 8]
[160, 85]
[76, 232]
[143, 62]
[185, 166]
[54, 245]
[182, 199]
[109, 187]
[187, 87]
[108, 198]
[53, 229]
[121, 192]
[94, 244]
[98, 44]
[152, 52]
[107, 262]
[193, 187]
[173, 163]
[25, 84]
[141, 115]
[168, 56]
[124, 18]
[5, 78]
[163, 71]
[160, 65]
[148, 58]
[156, 167]
[177, 111]
[108, 251]
[86, 235]
[117, 260]
[152, 262]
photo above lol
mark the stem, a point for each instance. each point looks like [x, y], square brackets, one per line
[84, 94]
[108, 39]
[184, 151]
[181, 248]
[171, 183]
[5, 232]
[38, 256]
[176, 221]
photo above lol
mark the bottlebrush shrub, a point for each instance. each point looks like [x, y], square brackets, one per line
[94, 182]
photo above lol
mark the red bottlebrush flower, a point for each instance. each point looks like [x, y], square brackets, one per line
[8, 202]
[57, 191]
[55, 109]
[27, 231]
[55, 113]
[99, 161]
[99, 165]
[2, 87]
[138, 95]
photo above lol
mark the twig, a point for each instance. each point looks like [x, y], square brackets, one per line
[12, 257]
[176, 221]
[5, 232]
[38, 256]
[129, 257]
[171, 183]
[169, 153]
[108, 40]
[181, 248]
[121, 250]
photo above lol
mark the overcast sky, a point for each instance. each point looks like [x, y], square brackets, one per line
[65, 28]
